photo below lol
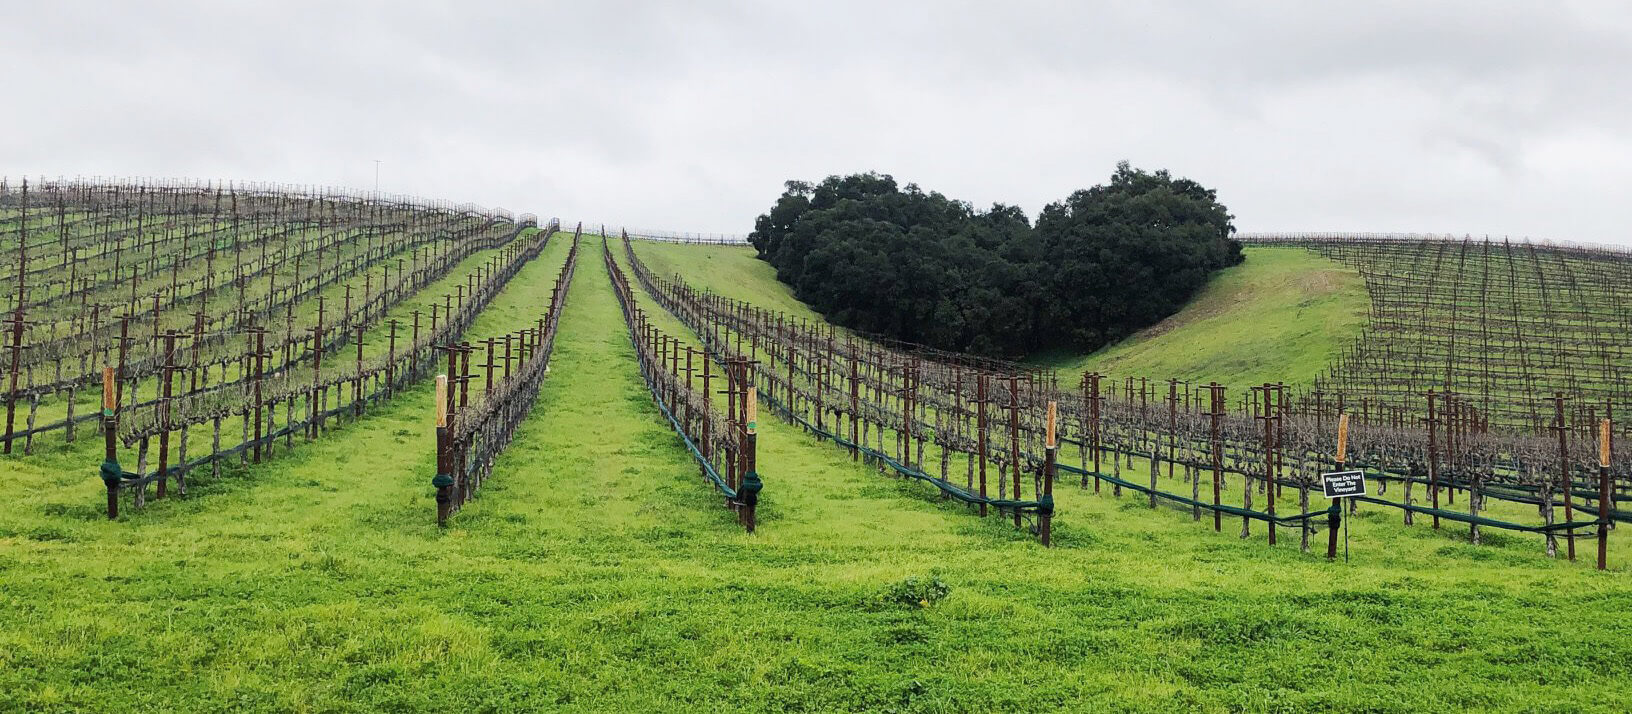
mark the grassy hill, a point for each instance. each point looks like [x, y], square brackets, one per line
[732, 271]
[1283, 315]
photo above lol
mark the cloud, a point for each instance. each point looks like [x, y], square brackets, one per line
[1505, 118]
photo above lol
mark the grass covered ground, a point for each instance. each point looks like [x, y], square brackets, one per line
[1283, 315]
[597, 572]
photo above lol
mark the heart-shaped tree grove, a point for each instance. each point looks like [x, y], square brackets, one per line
[880, 258]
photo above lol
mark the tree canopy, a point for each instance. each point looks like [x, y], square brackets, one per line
[877, 257]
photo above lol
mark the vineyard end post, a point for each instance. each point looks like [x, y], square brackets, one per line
[111, 472]
[1045, 510]
[1604, 495]
[442, 481]
[1335, 512]
[748, 493]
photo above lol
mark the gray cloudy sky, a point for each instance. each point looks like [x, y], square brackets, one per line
[1485, 117]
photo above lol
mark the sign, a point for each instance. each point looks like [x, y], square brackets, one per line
[1343, 484]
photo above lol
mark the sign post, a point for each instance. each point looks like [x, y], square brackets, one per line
[1338, 485]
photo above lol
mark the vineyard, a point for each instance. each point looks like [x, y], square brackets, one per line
[1505, 326]
[281, 448]
[1269, 439]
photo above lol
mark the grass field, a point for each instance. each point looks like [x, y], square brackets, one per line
[597, 572]
[1282, 315]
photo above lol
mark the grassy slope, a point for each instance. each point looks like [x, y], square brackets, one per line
[1281, 316]
[728, 270]
[596, 572]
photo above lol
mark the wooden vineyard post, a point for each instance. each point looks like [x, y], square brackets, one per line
[1216, 411]
[1604, 495]
[1269, 473]
[487, 347]
[1014, 440]
[357, 381]
[462, 446]
[1334, 514]
[820, 387]
[17, 318]
[442, 481]
[981, 382]
[390, 359]
[1173, 429]
[690, 415]
[1045, 512]
[1564, 471]
[165, 378]
[413, 349]
[260, 371]
[1094, 400]
[707, 444]
[730, 421]
[748, 494]
[1433, 456]
[111, 473]
[16, 352]
[509, 352]
[855, 403]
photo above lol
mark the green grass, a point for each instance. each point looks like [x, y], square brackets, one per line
[1281, 316]
[596, 571]
[732, 271]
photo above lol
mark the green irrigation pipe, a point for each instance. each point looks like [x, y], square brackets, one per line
[1497, 491]
[1232, 510]
[708, 468]
[1045, 505]
[1258, 515]
[1480, 520]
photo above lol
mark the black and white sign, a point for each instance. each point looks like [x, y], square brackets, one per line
[1343, 484]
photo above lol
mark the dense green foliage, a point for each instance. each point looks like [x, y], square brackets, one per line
[917, 266]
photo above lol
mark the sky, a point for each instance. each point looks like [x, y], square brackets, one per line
[1485, 118]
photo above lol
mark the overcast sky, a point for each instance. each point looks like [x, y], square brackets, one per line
[1494, 117]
